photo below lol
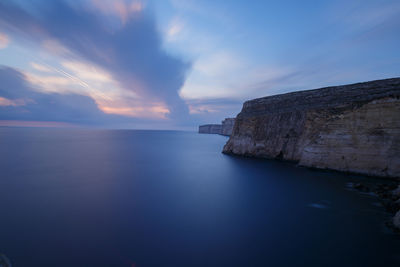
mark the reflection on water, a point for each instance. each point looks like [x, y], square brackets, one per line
[113, 197]
[318, 206]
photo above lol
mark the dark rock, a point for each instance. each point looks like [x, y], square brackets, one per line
[360, 186]
[396, 192]
[396, 220]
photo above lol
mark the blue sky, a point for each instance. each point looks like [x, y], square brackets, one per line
[174, 64]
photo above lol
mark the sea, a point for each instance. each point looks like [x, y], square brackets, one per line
[90, 197]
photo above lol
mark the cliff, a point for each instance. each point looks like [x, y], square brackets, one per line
[227, 126]
[352, 128]
[210, 128]
[224, 129]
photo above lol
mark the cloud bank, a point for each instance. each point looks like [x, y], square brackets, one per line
[118, 37]
[18, 101]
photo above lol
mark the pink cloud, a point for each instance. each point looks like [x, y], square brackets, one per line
[122, 9]
[4, 40]
[16, 123]
[14, 103]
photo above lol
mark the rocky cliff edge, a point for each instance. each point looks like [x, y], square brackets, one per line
[352, 128]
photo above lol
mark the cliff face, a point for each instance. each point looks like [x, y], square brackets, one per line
[227, 126]
[354, 128]
[224, 129]
[210, 128]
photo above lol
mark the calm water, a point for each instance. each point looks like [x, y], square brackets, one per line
[142, 198]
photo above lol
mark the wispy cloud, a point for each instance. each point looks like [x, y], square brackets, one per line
[174, 28]
[361, 16]
[228, 75]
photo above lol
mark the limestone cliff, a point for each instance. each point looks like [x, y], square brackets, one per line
[227, 126]
[210, 128]
[353, 128]
[224, 129]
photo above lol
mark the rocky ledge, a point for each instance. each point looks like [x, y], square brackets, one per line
[352, 128]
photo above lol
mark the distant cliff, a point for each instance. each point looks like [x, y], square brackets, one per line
[224, 129]
[210, 129]
[353, 128]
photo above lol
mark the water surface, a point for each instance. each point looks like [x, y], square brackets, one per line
[73, 197]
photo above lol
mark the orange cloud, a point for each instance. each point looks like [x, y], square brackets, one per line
[3, 40]
[150, 112]
[41, 68]
[83, 78]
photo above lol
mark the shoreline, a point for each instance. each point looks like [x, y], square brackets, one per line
[388, 195]
[296, 163]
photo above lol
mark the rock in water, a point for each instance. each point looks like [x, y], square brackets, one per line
[352, 128]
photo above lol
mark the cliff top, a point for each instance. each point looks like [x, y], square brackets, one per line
[327, 97]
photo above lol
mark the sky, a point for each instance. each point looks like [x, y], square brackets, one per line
[176, 64]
